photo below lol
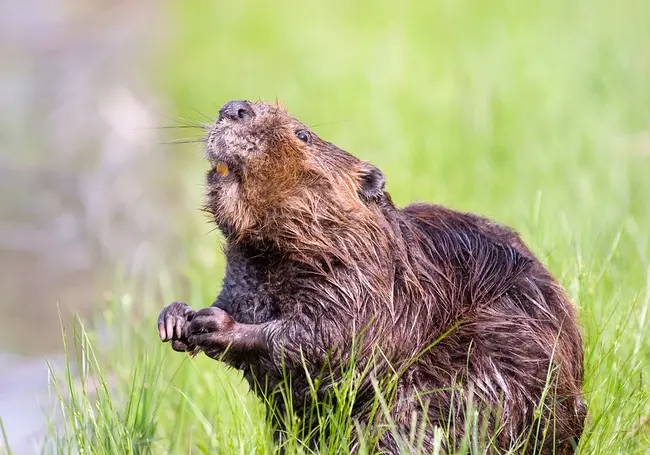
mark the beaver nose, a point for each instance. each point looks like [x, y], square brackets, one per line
[236, 110]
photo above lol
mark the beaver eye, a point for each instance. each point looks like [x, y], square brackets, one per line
[302, 135]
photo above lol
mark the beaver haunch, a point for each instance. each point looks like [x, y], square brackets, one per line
[316, 251]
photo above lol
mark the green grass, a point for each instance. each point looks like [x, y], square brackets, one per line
[536, 114]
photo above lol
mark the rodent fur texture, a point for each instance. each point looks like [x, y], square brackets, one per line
[320, 263]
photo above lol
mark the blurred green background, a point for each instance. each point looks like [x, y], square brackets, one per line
[536, 114]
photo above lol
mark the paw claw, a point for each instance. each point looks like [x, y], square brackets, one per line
[179, 328]
[169, 328]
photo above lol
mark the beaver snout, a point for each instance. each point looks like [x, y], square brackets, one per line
[237, 111]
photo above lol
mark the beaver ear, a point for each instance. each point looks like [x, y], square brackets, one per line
[372, 182]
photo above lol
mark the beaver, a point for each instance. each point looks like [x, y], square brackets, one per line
[318, 257]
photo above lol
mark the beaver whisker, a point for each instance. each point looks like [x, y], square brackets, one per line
[185, 141]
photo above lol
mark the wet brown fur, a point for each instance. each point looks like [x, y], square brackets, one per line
[317, 251]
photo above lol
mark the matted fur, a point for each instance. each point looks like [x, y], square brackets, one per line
[316, 251]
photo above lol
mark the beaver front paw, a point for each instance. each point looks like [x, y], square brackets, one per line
[173, 324]
[211, 329]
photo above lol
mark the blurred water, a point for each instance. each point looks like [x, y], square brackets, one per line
[84, 185]
[25, 401]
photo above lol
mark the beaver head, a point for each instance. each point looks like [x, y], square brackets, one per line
[271, 176]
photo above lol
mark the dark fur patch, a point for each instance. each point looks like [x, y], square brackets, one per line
[372, 182]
